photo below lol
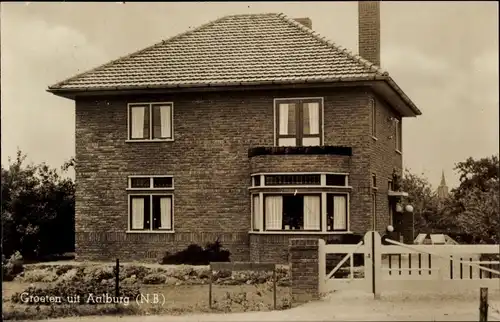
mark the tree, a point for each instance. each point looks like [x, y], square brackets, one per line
[38, 210]
[475, 201]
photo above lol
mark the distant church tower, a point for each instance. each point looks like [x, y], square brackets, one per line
[442, 190]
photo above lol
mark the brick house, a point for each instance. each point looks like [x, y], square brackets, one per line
[251, 128]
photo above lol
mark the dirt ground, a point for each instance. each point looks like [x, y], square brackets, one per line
[350, 306]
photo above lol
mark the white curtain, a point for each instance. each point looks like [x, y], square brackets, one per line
[166, 213]
[166, 126]
[339, 213]
[312, 213]
[274, 212]
[313, 118]
[256, 212]
[137, 213]
[138, 122]
[283, 114]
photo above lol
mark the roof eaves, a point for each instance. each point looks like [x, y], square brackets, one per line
[403, 96]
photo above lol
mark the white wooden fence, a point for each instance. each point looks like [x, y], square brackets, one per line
[398, 267]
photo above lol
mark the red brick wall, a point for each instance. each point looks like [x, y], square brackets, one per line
[210, 165]
[383, 159]
[304, 269]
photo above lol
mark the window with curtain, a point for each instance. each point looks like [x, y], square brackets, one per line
[292, 212]
[336, 212]
[150, 210]
[299, 122]
[255, 212]
[152, 121]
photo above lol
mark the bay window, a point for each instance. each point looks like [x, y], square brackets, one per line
[299, 122]
[292, 212]
[150, 121]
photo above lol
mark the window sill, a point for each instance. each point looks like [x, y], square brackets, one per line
[299, 232]
[150, 232]
[150, 141]
[397, 151]
[151, 189]
[301, 187]
[374, 138]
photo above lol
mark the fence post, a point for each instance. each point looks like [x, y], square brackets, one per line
[483, 304]
[117, 279]
[376, 264]
[321, 266]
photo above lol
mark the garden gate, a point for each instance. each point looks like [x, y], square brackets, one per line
[394, 266]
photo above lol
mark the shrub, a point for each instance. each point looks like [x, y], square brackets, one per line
[197, 255]
[12, 267]
[39, 275]
[154, 278]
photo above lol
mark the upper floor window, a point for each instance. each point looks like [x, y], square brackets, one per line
[299, 122]
[397, 135]
[150, 121]
[373, 112]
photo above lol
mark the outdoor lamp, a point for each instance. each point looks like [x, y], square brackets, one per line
[409, 208]
[390, 228]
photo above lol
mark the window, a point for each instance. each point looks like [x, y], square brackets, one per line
[397, 136]
[255, 212]
[374, 180]
[339, 180]
[373, 112]
[150, 182]
[336, 212]
[292, 212]
[299, 122]
[150, 121]
[150, 210]
[311, 179]
[288, 179]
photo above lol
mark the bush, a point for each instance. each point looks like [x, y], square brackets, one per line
[154, 278]
[12, 267]
[196, 255]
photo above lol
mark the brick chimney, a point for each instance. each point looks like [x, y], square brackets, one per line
[369, 30]
[305, 21]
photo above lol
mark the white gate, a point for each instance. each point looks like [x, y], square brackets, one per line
[398, 266]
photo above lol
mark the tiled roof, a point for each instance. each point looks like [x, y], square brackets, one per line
[233, 50]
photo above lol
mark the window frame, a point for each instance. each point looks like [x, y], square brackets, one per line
[347, 196]
[373, 112]
[151, 182]
[149, 106]
[150, 194]
[323, 176]
[303, 194]
[299, 135]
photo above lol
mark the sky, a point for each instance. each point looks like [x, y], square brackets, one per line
[444, 55]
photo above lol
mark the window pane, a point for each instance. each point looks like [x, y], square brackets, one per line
[274, 212]
[311, 118]
[166, 182]
[335, 180]
[162, 212]
[162, 121]
[139, 122]
[256, 212]
[290, 179]
[374, 181]
[336, 212]
[287, 120]
[287, 142]
[311, 141]
[256, 181]
[312, 212]
[293, 212]
[374, 117]
[139, 212]
[140, 182]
